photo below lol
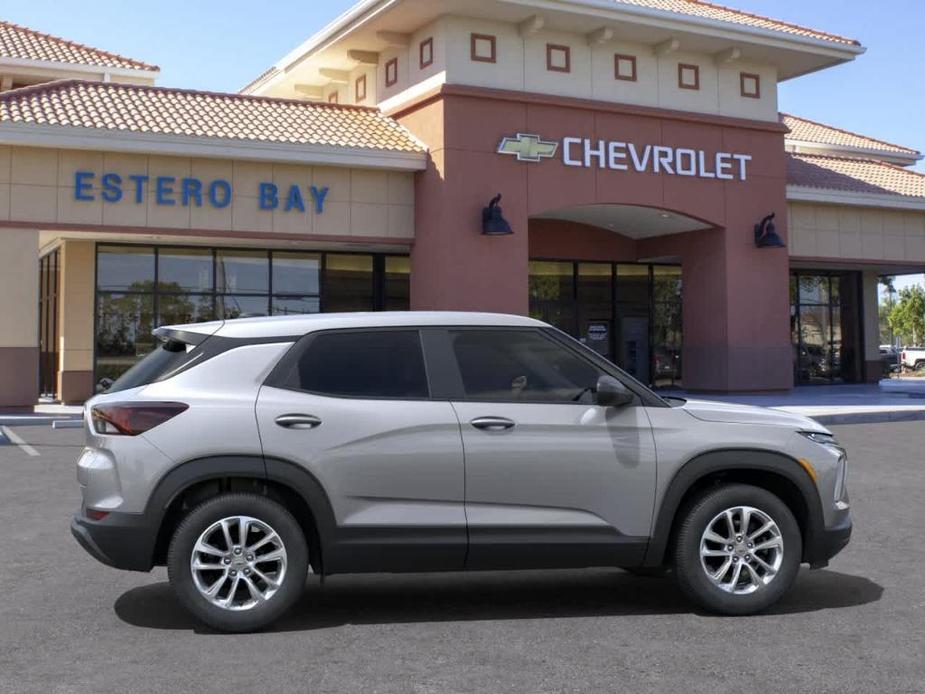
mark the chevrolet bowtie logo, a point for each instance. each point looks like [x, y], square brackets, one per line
[528, 147]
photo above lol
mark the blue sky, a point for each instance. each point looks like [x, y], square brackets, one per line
[223, 45]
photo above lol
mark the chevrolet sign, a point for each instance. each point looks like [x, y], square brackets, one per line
[627, 156]
[528, 147]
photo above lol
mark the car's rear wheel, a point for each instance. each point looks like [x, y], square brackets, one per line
[238, 561]
[737, 550]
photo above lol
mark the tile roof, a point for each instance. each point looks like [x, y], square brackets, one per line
[811, 131]
[707, 10]
[27, 44]
[853, 175]
[161, 110]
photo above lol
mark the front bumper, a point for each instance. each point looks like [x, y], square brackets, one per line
[121, 540]
[828, 543]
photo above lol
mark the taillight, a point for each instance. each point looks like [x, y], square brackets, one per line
[132, 419]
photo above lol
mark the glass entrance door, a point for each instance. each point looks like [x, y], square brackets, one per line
[628, 313]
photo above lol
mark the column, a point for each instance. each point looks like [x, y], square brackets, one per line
[19, 351]
[870, 311]
[75, 321]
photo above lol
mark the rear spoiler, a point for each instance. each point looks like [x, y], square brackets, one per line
[186, 335]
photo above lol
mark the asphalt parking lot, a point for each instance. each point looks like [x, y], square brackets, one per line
[69, 624]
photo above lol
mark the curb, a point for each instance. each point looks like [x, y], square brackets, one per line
[870, 417]
[36, 420]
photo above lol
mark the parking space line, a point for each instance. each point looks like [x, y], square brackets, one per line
[15, 438]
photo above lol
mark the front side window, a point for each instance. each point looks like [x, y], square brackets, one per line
[374, 364]
[521, 365]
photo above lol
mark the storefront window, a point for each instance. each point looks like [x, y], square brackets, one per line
[348, 283]
[242, 272]
[141, 287]
[297, 274]
[666, 325]
[124, 323]
[184, 270]
[127, 268]
[397, 281]
[825, 324]
[552, 294]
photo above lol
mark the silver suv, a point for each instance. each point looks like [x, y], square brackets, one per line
[241, 454]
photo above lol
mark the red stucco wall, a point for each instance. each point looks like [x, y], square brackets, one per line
[736, 302]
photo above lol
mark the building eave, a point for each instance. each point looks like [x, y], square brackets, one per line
[823, 149]
[83, 68]
[854, 199]
[66, 137]
[363, 12]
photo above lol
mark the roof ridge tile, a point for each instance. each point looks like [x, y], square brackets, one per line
[845, 131]
[139, 64]
[197, 113]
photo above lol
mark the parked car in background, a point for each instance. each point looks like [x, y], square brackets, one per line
[890, 358]
[241, 453]
[913, 358]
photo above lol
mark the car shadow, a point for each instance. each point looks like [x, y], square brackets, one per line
[395, 599]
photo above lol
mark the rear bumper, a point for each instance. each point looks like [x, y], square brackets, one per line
[828, 543]
[121, 540]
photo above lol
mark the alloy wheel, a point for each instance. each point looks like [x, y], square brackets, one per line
[238, 563]
[741, 550]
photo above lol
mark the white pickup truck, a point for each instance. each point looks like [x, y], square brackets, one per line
[913, 358]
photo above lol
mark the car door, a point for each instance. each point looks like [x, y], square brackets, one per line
[552, 479]
[352, 408]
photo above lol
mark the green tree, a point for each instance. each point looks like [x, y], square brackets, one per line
[908, 315]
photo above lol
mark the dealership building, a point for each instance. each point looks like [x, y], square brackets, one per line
[637, 146]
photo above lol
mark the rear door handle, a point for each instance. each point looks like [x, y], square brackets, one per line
[493, 423]
[298, 421]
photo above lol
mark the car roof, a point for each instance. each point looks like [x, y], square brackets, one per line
[294, 326]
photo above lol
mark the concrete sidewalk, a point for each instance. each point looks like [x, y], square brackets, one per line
[897, 400]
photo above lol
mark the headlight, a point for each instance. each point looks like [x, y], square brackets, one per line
[819, 437]
[841, 479]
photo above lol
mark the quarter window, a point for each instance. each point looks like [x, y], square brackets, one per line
[375, 364]
[521, 365]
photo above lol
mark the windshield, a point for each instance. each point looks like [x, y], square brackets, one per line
[167, 358]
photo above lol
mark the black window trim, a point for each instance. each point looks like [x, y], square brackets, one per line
[282, 374]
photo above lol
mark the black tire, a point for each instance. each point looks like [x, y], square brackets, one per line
[201, 518]
[691, 574]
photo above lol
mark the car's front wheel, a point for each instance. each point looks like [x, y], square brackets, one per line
[237, 562]
[737, 550]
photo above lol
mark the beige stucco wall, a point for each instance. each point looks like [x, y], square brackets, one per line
[37, 187]
[521, 66]
[856, 233]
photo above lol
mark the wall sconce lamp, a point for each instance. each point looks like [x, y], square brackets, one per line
[493, 221]
[766, 235]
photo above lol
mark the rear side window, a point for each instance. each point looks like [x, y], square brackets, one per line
[374, 364]
[166, 359]
[521, 365]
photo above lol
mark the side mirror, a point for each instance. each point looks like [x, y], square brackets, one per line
[104, 385]
[611, 393]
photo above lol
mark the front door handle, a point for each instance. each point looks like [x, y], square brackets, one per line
[493, 423]
[298, 421]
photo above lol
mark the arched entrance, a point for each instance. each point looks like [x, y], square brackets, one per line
[592, 277]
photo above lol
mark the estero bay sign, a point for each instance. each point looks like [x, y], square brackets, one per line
[618, 155]
[190, 191]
